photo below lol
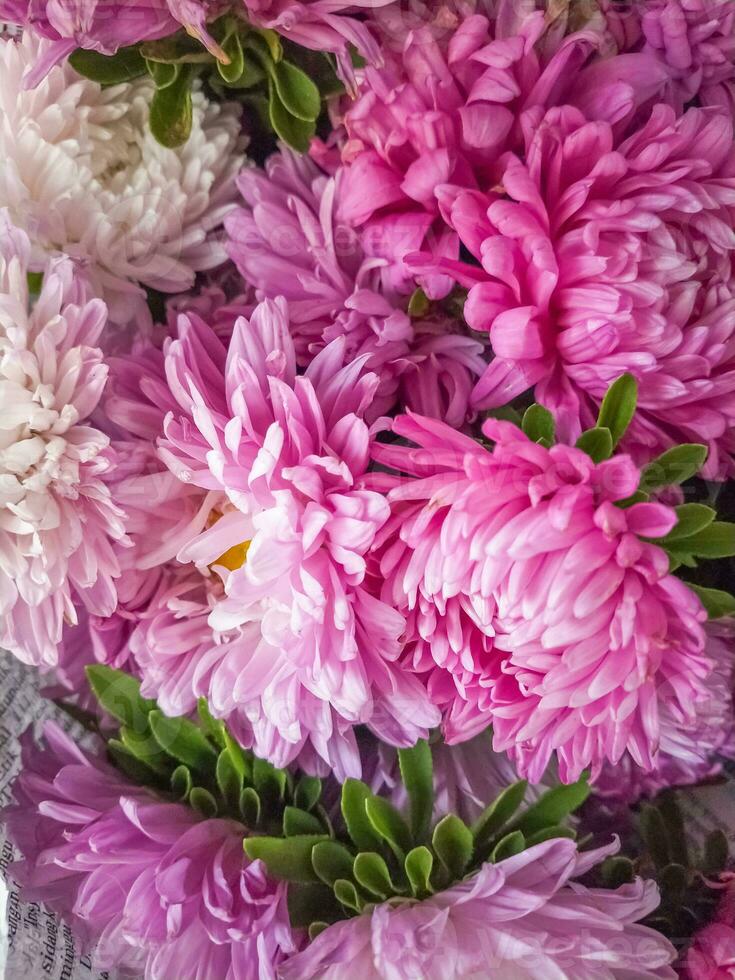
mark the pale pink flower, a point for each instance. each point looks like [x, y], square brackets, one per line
[289, 241]
[601, 255]
[58, 523]
[525, 916]
[484, 555]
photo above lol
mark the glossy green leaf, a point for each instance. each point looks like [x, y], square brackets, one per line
[717, 540]
[553, 808]
[538, 424]
[183, 741]
[212, 727]
[418, 865]
[296, 91]
[347, 894]
[296, 821]
[119, 694]
[371, 871]
[597, 443]
[232, 47]
[250, 809]
[242, 761]
[286, 858]
[307, 793]
[163, 73]
[691, 518]
[419, 304]
[181, 783]
[203, 802]
[332, 861]
[717, 602]
[229, 780]
[297, 133]
[498, 813]
[145, 748]
[453, 843]
[316, 929]
[417, 773]
[389, 824]
[512, 844]
[170, 117]
[354, 795]
[307, 900]
[124, 66]
[133, 768]
[550, 833]
[618, 407]
[674, 466]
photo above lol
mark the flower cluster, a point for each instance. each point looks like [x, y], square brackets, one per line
[367, 403]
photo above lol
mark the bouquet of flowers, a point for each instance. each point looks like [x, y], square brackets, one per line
[367, 411]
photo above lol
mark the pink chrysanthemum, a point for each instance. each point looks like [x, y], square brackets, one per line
[446, 110]
[522, 917]
[58, 523]
[711, 955]
[247, 575]
[289, 241]
[485, 553]
[601, 255]
[162, 892]
[692, 748]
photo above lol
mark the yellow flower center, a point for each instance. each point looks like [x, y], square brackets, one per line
[234, 557]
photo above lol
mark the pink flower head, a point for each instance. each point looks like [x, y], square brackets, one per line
[712, 954]
[58, 523]
[97, 25]
[601, 255]
[522, 917]
[532, 602]
[446, 110]
[162, 892]
[289, 241]
[257, 596]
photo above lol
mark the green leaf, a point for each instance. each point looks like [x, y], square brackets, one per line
[307, 793]
[716, 852]
[371, 871]
[119, 694]
[550, 833]
[354, 795]
[145, 748]
[673, 883]
[675, 829]
[212, 727]
[419, 304]
[331, 861]
[674, 466]
[389, 824]
[292, 130]
[617, 871]
[453, 843]
[269, 782]
[183, 741]
[512, 844]
[286, 858]
[618, 407]
[498, 813]
[653, 831]
[233, 49]
[506, 413]
[296, 821]
[417, 773]
[272, 42]
[243, 763]
[346, 893]
[538, 424]
[418, 865]
[639, 497]
[296, 91]
[316, 929]
[597, 443]
[163, 73]
[203, 802]
[553, 808]
[181, 784]
[715, 541]
[170, 117]
[229, 779]
[35, 282]
[304, 901]
[124, 66]
[717, 602]
[691, 518]
[249, 807]
[136, 770]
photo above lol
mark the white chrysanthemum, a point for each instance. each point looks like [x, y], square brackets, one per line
[81, 173]
[58, 523]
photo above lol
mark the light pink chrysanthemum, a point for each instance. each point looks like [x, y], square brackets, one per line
[522, 917]
[58, 523]
[691, 749]
[485, 553]
[601, 255]
[253, 587]
[289, 241]
[161, 892]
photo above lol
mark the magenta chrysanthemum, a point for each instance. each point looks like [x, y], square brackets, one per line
[484, 555]
[290, 241]
[58, 523]
[601, 255]
[161, 892]
[256, 597]
[521, 917]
